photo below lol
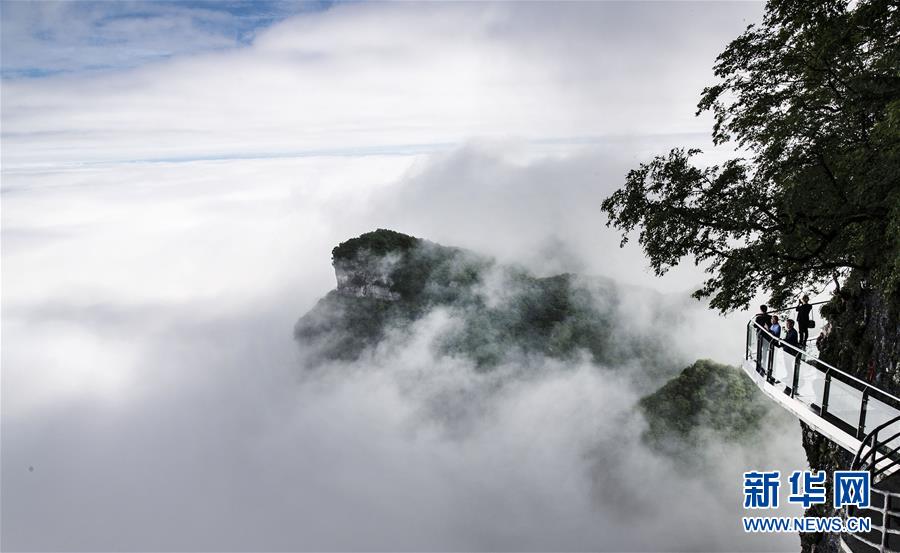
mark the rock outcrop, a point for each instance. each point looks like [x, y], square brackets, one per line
[387, 281]
[367, 277]
[862, 337]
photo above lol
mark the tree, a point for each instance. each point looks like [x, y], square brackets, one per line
[811, 97]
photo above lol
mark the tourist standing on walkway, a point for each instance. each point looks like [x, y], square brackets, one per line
[763, 318]
[803, 318]
[791, 337]
[775, 329]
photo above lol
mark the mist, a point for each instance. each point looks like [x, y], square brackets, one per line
[156, 422]
[165, 225]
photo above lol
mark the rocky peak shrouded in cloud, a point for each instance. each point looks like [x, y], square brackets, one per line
[473, 345]
[388, 281]
[366, 266]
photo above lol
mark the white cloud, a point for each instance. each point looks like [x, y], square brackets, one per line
[148, 355]
[383, 75]
[225, 447]
[149, 375]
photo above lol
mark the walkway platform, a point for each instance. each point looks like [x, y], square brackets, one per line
[854, 414]
[802, 411]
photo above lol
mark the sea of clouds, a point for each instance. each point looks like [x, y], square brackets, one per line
[163, 227]
[152, 383]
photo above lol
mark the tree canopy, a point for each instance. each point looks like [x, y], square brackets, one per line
[810, 97]
[706, 397]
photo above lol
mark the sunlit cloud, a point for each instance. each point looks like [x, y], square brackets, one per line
[366, 76]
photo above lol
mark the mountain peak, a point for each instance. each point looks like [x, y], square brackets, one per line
[379, 242]
[389, 280]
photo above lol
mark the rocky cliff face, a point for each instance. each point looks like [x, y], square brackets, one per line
[368, 266]
[367, 277]
[862, 337]
[823, 455]
[863, 333]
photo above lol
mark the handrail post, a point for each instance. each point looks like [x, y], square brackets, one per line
[860, 431]
[796, 380]
[826, 391]
[873, 451]
[759, 343]
[747, 343]
[770, 361]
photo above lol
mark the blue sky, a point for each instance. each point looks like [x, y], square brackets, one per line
[48, 38]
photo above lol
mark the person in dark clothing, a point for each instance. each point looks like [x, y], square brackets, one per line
[763, 319]
[791, 338]
[803, 311]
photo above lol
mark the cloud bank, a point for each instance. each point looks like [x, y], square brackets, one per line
[175, 415]
[164, 226]
[363, 78]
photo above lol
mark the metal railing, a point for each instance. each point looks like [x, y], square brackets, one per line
[849, 403]
[883, 537]
[811, 342]
[853, 406]
[877, 456]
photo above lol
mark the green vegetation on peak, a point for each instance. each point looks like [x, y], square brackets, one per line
[379, 242]
[705, 397]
